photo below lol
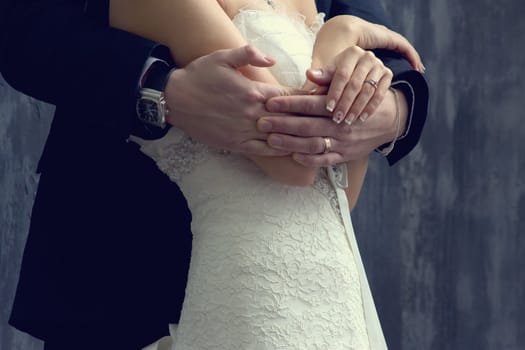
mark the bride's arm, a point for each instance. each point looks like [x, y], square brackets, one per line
[345, 33]
[193, 28]
[190, 29]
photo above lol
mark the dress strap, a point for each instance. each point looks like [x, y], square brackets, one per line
[338, 175]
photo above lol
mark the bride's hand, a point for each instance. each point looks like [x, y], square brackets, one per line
[358, 84]
[357, 80]
[371, 36]
[374, 36]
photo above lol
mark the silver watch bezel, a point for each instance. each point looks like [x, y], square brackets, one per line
[157, 97]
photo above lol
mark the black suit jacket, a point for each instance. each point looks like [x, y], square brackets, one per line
[109, 241]
[110, 237]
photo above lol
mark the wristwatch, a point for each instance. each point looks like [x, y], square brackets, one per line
[151, 105]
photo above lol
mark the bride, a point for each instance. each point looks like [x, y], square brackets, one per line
[275, 263]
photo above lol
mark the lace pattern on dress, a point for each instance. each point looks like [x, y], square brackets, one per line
[181, 158]
[323, 185]
[277, 7]
[330, 178]
[289, 68]
[176, 154]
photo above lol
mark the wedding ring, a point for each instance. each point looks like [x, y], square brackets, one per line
[372, 82]
[327, 145]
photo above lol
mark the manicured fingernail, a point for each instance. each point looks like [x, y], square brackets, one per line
[338, 117]
[348, 121]
[423, 68]
[330, 106]
[265, 125]
[363, 117]
[350, 118]
[317, 73]
[275, 141]
[268, 59]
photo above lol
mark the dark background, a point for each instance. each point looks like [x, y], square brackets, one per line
[442, 233]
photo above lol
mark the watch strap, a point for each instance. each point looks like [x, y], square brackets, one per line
[157, 75]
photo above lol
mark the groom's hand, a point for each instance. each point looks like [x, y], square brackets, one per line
[304, 135]
[215, 104]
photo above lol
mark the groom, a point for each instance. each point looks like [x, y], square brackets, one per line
[107, 254]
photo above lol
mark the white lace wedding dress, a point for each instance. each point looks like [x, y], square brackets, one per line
[272, 266]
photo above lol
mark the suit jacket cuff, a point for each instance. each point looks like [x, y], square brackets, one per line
[415, 89]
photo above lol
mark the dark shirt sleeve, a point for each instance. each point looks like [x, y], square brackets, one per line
[409, 81]
[65, 53]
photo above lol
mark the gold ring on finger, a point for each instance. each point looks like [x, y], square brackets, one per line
[327, 145]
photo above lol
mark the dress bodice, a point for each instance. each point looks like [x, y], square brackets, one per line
[284, 37]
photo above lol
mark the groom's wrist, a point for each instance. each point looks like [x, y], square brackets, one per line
[151, 106]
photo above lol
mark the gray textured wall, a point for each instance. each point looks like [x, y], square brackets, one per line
[441, 233]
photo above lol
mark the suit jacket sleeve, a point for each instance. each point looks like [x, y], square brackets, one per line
[405, 78]
[65, 53]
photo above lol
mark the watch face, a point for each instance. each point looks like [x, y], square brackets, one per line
[148, 110]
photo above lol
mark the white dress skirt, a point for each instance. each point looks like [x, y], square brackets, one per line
[272, 266]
